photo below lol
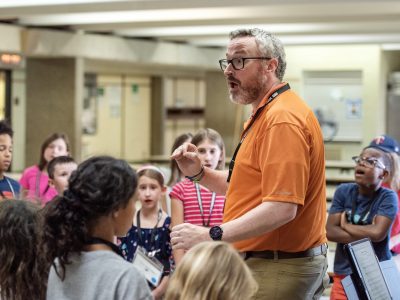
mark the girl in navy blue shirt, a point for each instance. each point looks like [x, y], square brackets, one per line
[362, 209]
[151, 226]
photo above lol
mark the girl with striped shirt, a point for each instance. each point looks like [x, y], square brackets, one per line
[193, 203]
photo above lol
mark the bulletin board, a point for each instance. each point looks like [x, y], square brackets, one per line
[336, 98]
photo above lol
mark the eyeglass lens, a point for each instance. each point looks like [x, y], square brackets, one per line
[237, 63]
[369, 162]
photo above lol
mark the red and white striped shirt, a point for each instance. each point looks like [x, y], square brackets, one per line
[185, 191]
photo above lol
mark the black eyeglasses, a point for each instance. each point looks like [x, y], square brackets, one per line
[237, 63]
[369, 162]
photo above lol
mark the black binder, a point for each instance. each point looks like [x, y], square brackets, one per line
[367, 276]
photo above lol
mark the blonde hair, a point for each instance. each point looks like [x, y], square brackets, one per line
[393, 180]
[212, 271]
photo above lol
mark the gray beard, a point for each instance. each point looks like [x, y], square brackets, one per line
[250, 94]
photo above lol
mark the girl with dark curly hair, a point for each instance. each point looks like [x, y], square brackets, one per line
[79, 231]
[20, 269]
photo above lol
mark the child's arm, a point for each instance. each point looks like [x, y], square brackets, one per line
[160, 290]
[334, 232]
[176, 219]
[376, 231]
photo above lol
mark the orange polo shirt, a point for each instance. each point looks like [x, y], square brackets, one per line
[282, 159]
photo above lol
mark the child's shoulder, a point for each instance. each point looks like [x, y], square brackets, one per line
[31, 169]
[347, 187]
[165, 218]
[182, 186]
[12, 181]
[386, 192]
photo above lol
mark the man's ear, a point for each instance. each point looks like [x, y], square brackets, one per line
[272, 64]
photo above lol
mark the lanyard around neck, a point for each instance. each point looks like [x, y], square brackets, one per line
[253, 119]
[97, 240]
[366, 213]
[153, 232]
[200, 202]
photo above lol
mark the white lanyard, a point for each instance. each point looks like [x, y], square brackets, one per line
[201, 205]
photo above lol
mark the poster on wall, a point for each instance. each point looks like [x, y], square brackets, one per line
[336, 99]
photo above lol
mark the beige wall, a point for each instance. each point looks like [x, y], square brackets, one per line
[53, 100]
[364, 58]
[123, 119]
[10, 38]
[221, 114]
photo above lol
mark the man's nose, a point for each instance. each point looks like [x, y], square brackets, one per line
[229, 70]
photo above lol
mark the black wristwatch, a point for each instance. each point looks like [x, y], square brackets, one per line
[216, 233]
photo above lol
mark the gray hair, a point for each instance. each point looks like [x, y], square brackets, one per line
[268, 44]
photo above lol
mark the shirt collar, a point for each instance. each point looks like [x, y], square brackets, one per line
[263, 101]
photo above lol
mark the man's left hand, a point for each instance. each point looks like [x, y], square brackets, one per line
[184, 236]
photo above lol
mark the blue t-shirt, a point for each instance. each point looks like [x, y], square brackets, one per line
[384, 204]
[161, 243]
[9, 188]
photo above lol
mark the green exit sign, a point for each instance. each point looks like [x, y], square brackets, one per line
[135, 88]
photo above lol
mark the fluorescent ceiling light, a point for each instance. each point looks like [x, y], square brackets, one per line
[22, 3]
[281, 28]
[313, 39]
[214, 29]
[122, 17]
[391, 47]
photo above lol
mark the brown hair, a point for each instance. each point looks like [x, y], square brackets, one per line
[20, 268]
[151, 172]
[215, 137]
[176, 173]
[55, 136]
[60, 160]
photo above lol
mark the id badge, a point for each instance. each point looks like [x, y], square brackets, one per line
[150, 267]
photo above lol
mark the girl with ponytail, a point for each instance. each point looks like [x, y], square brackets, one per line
[79, 231]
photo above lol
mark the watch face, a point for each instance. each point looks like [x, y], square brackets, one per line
[216, 233]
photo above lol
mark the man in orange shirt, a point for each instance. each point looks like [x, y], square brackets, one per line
[275, 211]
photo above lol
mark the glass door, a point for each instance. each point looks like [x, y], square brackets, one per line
[5, 95]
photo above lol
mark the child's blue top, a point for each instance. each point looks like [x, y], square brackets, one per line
[384, 204]
[9, 188]
[161, 244]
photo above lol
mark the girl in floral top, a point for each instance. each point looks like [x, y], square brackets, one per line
[151, 227]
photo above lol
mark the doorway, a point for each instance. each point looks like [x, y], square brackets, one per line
[5, 95]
